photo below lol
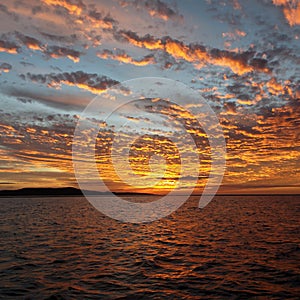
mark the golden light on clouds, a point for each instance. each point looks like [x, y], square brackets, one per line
[291, 10]
[241, 56]
[72, 8]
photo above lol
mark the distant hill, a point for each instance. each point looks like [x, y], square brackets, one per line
[65, 191]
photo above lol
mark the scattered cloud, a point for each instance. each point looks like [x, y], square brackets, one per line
[244, 64]
[34, 44]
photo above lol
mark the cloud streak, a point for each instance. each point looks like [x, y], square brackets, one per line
[239, 63]
[121, 56]
[86, 81]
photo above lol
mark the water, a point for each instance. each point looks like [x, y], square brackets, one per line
[238, 247]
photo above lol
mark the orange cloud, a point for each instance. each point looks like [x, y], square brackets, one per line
[29, 42]
[34, 47]
[71, 57]
[121, 56]
[179, 50]
[233, 35]
[83, 86]
[196, 54]
[98, 20]
[277, 88]
[148, 42]
[245, 102]
[292, 15]
[236, 5]
[291, 10]
[72, 8]
[99, 23]
[237, 66]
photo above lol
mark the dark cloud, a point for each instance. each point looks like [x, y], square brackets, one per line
[162, 10]
[4, 9]
[167, 61]
[5, 67]
[155, 8]
[230, 108]
[59, 52]
[36, 9]
[87, 81]
[59, 38]
[8, 46]
[100, 20]
[259, 63]
[32, 43]
[26, 64]
[28, 41]
[56, 99]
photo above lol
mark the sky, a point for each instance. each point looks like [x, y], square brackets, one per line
[242, 57]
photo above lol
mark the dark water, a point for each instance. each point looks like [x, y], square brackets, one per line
[238, 247]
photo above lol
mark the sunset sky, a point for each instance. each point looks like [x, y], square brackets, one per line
[242, 56]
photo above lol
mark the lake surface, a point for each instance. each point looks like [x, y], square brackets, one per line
[238, 247]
